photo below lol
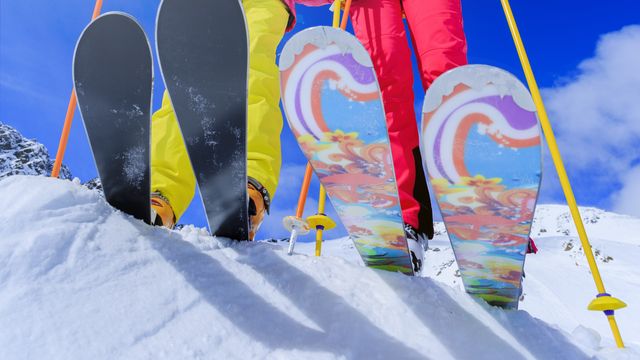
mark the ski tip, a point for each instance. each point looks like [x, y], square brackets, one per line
[323, 37]
[110, 16]
[104, 23]
[477, 77]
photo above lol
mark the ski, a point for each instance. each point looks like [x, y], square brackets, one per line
[203, 55]
[481, 148]
[113, 79]
[333, 106]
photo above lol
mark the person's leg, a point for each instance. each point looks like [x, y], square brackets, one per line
[378, 25]
[266, 21]
[440, 45]
[438, 36]
[171, 173]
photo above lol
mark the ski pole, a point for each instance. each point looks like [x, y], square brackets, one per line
[296, 224]
[321, 221]
[322, 198]
[71, 109]
[603, 301]
[345, 16]
[336, 13]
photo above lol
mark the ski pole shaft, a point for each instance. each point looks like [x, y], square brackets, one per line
[345, 16]
[322, 197]
[71, 109]
[64, 137]
[304, 190]
[323, 193]
[336, 13]
[319, 221]
[292, 240]
[96, 9]
[562, 174]
[319, 241]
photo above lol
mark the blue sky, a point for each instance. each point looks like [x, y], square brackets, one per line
[585, 57]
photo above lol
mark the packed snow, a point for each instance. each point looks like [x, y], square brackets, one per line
[80, 280]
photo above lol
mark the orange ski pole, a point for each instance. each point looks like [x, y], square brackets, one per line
[304, 190]
[71, 109]
[345, 16]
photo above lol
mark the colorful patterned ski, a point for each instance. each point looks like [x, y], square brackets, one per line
[481, 147]
[332, 102]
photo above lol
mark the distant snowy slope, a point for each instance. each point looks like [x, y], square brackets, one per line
[555, 220]
[559, 285]
[82, 281]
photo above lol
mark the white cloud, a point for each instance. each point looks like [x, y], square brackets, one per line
[596, 117]
[627, 200]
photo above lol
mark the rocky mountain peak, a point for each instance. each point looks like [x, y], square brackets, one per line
[22, 156]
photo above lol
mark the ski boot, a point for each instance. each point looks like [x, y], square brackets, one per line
[531, 247]
[259, 202]
[417, 243]
[161, 212]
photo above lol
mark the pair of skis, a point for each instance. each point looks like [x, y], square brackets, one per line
[202, 50]
[480, 143]
[480, 138]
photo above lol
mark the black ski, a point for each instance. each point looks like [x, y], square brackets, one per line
[202, 49]
[113, 79]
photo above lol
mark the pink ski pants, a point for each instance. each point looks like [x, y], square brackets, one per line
[439, 42]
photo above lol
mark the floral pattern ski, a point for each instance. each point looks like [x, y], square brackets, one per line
[481, 147]
[332, 102]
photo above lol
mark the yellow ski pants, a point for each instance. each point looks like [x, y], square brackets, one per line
[171, 172]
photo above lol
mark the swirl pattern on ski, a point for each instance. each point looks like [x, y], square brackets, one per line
[485, 111]
[333, 106]
[315, 69]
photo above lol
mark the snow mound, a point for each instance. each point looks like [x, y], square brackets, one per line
[80, 280]
[558, 284]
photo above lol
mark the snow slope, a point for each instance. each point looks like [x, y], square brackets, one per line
[558, 284]
[79, 280]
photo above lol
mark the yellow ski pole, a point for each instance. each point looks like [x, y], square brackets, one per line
[336, 13]
[321, 221]
[71, 109]
[322, 198]
[603, 301]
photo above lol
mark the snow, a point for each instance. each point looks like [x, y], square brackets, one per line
[558, 284]
[80, 280]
